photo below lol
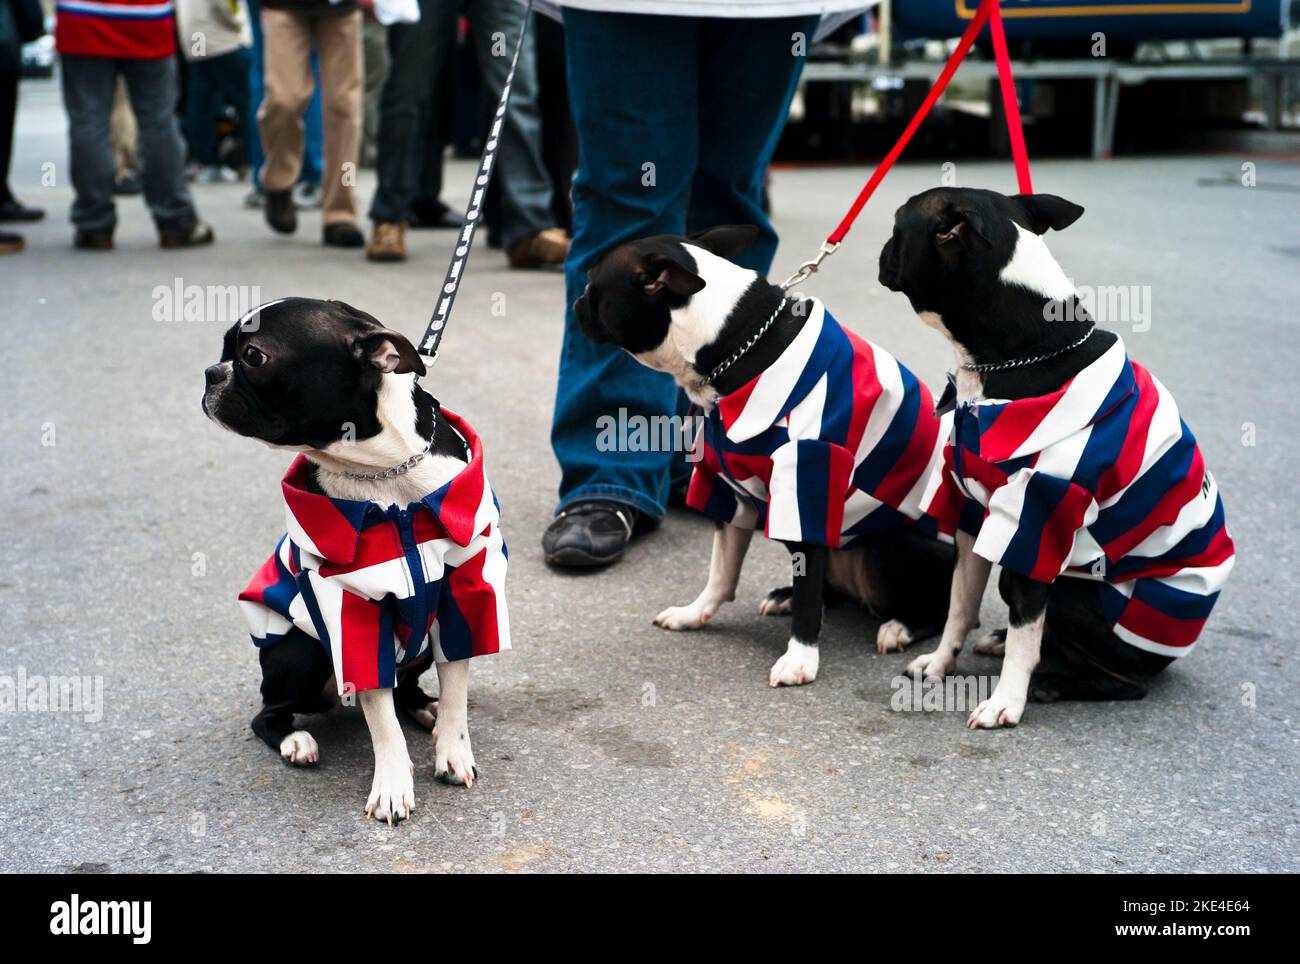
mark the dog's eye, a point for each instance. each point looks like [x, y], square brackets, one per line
[252, 356]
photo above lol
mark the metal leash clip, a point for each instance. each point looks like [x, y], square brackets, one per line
[807, 269]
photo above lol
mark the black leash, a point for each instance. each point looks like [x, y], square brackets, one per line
[447, 294]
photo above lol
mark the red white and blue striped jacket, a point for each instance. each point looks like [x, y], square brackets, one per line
[1101, 480]
[833, 442]
[133, 29]
[380, 586]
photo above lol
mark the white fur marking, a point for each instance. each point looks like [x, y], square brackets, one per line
[1032, 267]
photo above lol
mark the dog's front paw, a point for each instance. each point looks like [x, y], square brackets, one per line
[893, 637]
[796, 667]
[300, 748]
[934, 665]
[392, 793]
[1003, 708]
[685, 617]
[453, 757]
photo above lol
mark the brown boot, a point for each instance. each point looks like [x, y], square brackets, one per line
[387, 243]
[546, 249]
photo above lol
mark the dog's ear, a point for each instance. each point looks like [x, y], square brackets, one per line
[1048, 211]
[726, 240]
[387, 351]
[961, 226]
[667, 271]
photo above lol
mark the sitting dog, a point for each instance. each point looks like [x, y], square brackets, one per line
[1096, 500]
[394, 557]
[815, 435]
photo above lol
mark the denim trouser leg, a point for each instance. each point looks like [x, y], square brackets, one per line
[154, 90]
[524, 184]
[632, 89]
[416, 53]
[704, 102]
[202, 95]
[314, 120]
[88, 90]
[748, 77]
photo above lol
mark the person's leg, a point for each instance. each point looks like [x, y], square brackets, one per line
[523, 182]
[8, 116]
[374, 54]
[748, 75]
[416, 53]
[125, 133]
[256, 88]
[338, 48]
[313, 152]
[88, 90]
[152, 87]
[201, 99]
[229, 76]
[632, 86]
[286, 72]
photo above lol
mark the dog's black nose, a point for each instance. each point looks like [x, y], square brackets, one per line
[214, 374]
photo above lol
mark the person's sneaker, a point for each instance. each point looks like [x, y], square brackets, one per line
[254, 198]
[279, 211]
[546, 249]
[11, 243]
[387, 242]
[307, 195]
[343, 235]
[93, 239]
[198, 234]
[589, 534]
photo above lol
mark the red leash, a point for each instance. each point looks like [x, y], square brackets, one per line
[988, 12]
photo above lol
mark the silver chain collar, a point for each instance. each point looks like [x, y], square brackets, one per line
[390, 473]
[1022, 362]
[736, 355]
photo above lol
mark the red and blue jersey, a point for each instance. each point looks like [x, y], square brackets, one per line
[833, 442]
[380, 586]
[132, 29]
[1101, 480]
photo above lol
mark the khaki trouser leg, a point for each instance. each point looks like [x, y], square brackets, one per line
[289, 85]
[338, 48]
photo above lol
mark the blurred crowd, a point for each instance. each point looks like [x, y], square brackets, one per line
[293, 96]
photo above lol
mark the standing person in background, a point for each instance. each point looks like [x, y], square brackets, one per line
[306, 193]
[215, 37]
[374, 58]
[677, 119]
[417, 53]
[292, 29]
[21, 21]
[134, 39]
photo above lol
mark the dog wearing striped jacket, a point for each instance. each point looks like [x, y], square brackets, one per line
[1094, 495]
[811, 434]
[393, 561]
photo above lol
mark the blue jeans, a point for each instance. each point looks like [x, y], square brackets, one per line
[703, 100]
[88, 87]
[314, 149]
[212, 82]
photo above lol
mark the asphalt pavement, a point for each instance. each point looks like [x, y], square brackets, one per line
[604, 743]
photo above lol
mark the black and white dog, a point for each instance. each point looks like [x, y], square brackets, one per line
[392, 560]
[817, 436]
[1096, 499]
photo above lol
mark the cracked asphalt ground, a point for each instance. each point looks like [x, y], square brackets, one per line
[604, 743]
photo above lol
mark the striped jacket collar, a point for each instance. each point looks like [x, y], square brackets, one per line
[769, 396]
[1007, 429]
[331, 528]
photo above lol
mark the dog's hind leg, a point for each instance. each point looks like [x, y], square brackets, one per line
[294, 671]
[411, 698]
